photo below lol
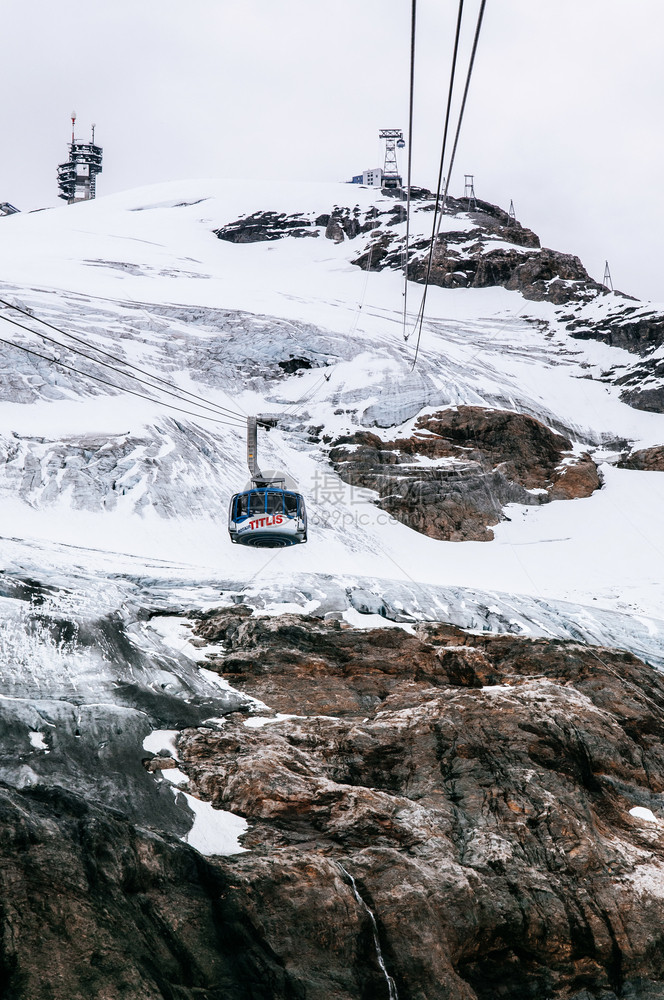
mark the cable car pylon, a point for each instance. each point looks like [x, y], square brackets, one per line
[269, 513]
[607, 280]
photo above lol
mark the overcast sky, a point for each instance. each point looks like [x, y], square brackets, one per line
[564, 113]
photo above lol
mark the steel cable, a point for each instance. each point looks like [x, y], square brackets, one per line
[469, 74]
[178, 393]
[450, 92]
[413, 19]
[103, 381]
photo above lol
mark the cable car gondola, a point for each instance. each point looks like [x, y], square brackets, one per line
[269, 512]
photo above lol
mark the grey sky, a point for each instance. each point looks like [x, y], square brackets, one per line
[564, 113]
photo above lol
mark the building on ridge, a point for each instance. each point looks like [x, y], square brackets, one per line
[369, 178]
[77, 177]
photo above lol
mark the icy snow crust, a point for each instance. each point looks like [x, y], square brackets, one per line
[115, 505]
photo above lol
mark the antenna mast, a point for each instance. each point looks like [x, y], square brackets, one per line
[607, 280]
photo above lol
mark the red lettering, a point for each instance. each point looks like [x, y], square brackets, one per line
[266, 522]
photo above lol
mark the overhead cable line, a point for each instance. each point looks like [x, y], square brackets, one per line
[469, 74]
[179, 393]
[465, 95]
[413, 18]
[118, 371]
[97, 378]
[292, 409]
[450, 91]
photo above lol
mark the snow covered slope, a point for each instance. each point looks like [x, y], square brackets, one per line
[113, 538]
[102, 479]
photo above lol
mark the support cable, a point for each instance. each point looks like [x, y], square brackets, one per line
[97, 378]
[449, 172]
[118, 371]
[179, 393]
[413, 18]
[465, 95]
[420, 315]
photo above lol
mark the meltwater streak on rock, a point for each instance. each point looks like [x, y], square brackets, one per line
[391, 986]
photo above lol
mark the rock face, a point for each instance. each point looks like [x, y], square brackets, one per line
[476, 257]
[341, 223]
[261, 227]
[448, 814]
[493, 250]
[463, 262]
[487, 249]
[646, 460]
[92, 907]
[485, 459]
[643, 384]
[632, 327]
[461, 825]
[637, 328]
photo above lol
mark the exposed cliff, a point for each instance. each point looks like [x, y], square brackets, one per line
[453, 476]
[497, 800]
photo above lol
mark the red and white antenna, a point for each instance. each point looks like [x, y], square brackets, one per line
[73, 122]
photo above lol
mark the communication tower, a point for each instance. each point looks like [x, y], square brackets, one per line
[77, 177]
[511, 214]
[393, 140]
[469, 192]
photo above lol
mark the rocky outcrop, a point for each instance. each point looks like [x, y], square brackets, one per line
[473, 263]
[637, 328]
[484, 460]
[261, 227]
[484, 820]
[343, 223]
[645, 460]
[643, 384]
[93, 907]
[320, 667]
[578, 479]
[632, 327]
[476, 257]
[650, 398]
